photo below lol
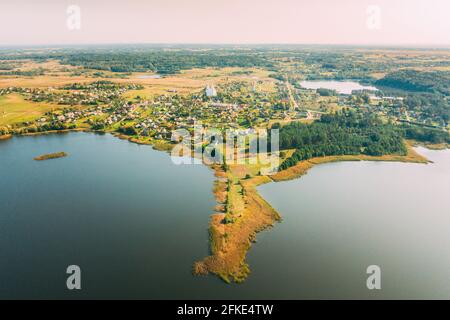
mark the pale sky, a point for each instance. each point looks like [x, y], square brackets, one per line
[397, 22]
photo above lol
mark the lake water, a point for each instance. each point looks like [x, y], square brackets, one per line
[150, 76]
[342, 217]
[134, 222]
[342, 87]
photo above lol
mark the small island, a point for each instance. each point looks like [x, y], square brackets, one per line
[51, 156]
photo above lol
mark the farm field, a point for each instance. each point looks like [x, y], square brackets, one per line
[14, 108]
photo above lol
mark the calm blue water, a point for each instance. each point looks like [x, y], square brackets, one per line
[134, 222]
[342, 217]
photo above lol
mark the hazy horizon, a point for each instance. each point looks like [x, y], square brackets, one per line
[400, 23]
[206, 44]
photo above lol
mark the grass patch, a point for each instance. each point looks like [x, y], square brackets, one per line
[15, 109]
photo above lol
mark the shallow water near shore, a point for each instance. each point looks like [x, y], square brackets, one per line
[135, 223]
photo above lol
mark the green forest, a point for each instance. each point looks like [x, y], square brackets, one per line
[428, 135]
[163, 62]
[427, 92]
[351, 132]
[418, 81]
[343, 133]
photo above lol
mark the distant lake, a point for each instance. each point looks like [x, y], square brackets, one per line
[342, 87]
[150, 76]
[135, 223]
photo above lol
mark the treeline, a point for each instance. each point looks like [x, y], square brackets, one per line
[432, 104]
[160, 59]
[427, 92]
[323, 92]
[4, 130]
[101, 85]
[28, 73]
[163, 62]
[22, 128]
[428, 135]
[344, 133]
[418, 81]
[6, 66]
[128, 130]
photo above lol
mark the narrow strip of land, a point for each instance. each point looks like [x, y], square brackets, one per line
[245, 212]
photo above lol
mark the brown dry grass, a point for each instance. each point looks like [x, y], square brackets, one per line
[230, 242]
[187, 81]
